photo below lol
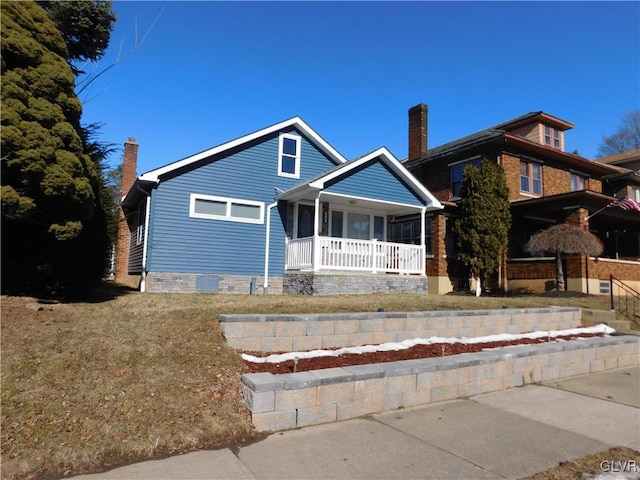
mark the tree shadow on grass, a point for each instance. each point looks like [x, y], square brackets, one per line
[105, 292]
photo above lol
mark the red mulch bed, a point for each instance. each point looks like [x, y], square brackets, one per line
[419, 351]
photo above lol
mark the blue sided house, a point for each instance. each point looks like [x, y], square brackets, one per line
[276, 211]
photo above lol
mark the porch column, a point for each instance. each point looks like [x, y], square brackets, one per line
[439, 282]
[577, 275]
[315, 266]
[423, 257]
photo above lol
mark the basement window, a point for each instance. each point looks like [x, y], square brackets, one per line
[223, 208]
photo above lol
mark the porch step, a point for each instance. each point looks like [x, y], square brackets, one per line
[591, 317]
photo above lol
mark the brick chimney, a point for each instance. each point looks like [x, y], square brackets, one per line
[418, 121]
[128, 179]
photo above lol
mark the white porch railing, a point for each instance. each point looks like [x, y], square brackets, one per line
[354, 255]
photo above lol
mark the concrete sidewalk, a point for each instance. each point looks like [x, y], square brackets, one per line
[507, 434]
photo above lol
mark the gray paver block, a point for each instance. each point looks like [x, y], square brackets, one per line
[329, 376]
[316, 415]
[263, 382]
[365, 372]
[292, 381]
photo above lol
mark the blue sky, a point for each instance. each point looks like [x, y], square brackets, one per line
[209, 72]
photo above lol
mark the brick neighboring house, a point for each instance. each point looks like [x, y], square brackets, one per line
[547, 186]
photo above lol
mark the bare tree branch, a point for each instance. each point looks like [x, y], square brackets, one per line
[83, 85]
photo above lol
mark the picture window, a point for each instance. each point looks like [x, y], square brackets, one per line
[228, 209]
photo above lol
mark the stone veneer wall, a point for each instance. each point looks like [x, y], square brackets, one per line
[278, 333]
[174, 282]
[285, 401]
[345, 284]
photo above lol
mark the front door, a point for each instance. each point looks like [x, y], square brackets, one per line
[305, 221]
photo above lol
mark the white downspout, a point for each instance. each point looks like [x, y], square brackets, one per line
[147, 214]
[265, 285]
[423, 224]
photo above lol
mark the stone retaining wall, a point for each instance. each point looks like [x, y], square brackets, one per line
[285, 333]
[285, 401]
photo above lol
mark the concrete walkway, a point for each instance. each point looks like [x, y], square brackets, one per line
[507, 434]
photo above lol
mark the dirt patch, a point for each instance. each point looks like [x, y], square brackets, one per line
[418, 351]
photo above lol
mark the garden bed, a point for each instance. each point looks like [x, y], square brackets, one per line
[284, 362]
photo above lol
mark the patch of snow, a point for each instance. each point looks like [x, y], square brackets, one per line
[389, 346]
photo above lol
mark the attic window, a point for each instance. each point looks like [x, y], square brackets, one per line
[552, 136]
[289, 156]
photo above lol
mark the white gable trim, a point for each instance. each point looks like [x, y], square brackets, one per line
[391, 161]
[154, 175]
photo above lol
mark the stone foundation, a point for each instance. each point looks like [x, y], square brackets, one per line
[174, 282]
[352, 284]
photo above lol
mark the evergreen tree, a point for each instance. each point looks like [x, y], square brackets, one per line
[485, 219]
[53, 223]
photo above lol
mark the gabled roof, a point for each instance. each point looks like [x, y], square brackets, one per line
[296, 122]
[320, 181]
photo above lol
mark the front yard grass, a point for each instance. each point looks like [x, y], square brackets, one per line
[126, 376]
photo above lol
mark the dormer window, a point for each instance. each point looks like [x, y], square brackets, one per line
[552, 137]
[289, 156]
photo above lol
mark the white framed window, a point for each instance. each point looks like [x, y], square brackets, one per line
[358, 224]
[223, 208]
[289, 155]
[577, 182]
[635, 192]
[530, 178]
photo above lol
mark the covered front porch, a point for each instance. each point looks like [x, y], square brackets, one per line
[342, 233]
[337, 225]
[618, 229]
